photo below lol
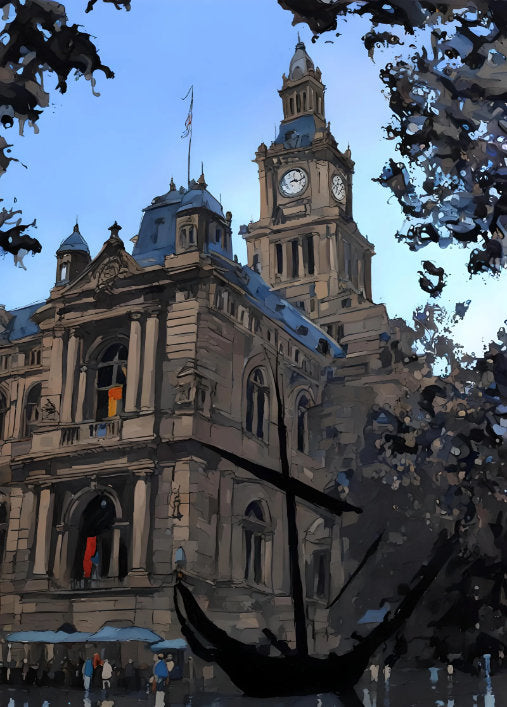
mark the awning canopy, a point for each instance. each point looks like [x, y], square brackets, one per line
[107, 634]
[177, 644]
[47, 637]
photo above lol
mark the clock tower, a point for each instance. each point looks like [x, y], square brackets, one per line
[306, 243]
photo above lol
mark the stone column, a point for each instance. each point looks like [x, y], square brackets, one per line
[115, 553]
[54, 384]
[59, 560]
[140, 528]
[133, 362]
[43, 532]
[150, 358]
[68, 391]
[81, 392]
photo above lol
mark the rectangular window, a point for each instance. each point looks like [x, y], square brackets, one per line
[279, 258]
[218, 235]
[295, 258]
[309, 255]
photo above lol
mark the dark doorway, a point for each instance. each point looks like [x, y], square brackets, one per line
[94, 542]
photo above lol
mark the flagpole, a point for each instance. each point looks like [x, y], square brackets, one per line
[188, 127]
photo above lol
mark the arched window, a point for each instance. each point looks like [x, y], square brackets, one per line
[255, 529]
[111, 379]
[298, 102]
[317, 550]
[257, 404]
[32, 409]
[3, 414]
[302, 423]
[94, 557]
[4, 524]
[304, 100]
[291, 102]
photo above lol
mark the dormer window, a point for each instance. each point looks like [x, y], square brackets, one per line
[187, 236]
[64, 272]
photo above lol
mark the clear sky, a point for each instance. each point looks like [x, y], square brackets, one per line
[101, 159]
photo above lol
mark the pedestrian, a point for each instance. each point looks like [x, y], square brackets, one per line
[169, 664]
[87, 674]
[107, 671]
[160, 675]
[130, 676]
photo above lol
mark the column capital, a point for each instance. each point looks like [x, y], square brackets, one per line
[73, 331]
[135, 316]
[145, 474]
[153, 311]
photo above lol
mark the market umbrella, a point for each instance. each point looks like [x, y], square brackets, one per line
[47, 637]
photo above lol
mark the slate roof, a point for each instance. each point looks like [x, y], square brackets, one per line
[75, 242]
[21, 325]
[270, 303]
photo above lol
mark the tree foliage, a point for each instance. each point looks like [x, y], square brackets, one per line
[38, 41]
[447, 91]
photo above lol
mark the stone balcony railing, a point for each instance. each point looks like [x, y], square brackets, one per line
[90, 431]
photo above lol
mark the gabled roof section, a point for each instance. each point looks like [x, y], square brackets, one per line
[112, 263]
[277, 308]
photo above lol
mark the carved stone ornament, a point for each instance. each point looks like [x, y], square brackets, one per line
[113, 268]
[50, 408]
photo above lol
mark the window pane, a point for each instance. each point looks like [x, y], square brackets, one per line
[248, 549]
[105, 376]
[295, 258]
[258, 558]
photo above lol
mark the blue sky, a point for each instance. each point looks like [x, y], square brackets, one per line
[105, 158]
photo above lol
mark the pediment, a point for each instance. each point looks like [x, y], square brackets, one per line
[105, 273]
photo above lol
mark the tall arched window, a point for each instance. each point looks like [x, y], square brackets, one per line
[302, 423]
[257, 404]
[3, 414]
[255, 529]
[111, 380]
[32, 409]
[95, 552]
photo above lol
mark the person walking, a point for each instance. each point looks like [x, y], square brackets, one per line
[130, 676]
[160, 675]
[107, 671]
[87, 673]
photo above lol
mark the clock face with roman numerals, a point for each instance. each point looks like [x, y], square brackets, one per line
[293, 182]
[338, 188]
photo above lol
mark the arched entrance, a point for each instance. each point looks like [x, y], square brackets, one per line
[98, 553]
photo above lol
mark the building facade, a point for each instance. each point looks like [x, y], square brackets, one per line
[125, 393]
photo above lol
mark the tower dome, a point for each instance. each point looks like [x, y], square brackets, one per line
[72, 257]
[300, 63]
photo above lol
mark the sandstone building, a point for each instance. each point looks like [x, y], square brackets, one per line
[114, 388]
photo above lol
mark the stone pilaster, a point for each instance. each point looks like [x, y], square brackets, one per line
[68, 392]
[134, 362]
[150, 358]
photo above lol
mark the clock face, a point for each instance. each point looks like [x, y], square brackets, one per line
[338, 188]
[293, 182]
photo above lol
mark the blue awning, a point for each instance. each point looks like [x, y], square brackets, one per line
[177, 644]
[47, 637]
[107, 634]
[110, 634]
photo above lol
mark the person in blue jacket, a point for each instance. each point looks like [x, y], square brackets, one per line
[87, 673]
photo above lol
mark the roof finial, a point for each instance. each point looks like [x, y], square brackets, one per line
[172, 185]
[201, 181]
[76, 227]
[115, 230]
[299, 39]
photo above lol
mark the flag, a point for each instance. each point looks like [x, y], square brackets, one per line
[188, 121]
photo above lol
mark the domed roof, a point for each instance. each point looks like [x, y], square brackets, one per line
[300, 63]
[74, 243]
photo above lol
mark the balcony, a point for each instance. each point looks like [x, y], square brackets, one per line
[90, 431]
